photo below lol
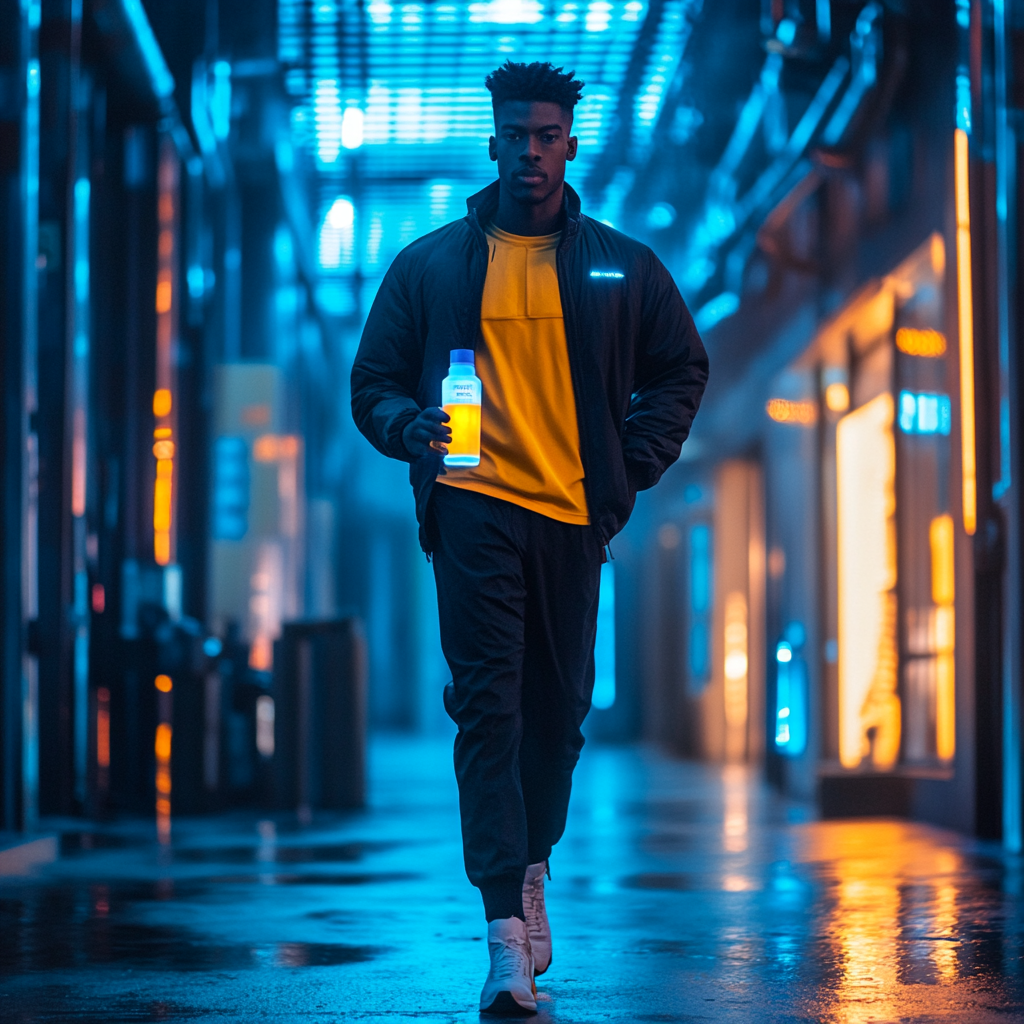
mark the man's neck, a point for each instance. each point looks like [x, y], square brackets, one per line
[529, 219]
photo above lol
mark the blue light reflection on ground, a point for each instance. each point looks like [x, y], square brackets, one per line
[680, 892]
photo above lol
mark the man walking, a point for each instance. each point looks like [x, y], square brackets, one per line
[592, 373]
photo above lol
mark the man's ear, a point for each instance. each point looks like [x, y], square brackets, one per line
[570, 152]
[492, 148]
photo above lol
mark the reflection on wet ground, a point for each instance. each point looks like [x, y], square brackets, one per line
[680, 893]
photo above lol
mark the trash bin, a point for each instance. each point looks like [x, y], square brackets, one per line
[320, 716]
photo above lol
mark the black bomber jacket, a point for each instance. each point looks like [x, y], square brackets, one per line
[638, 365]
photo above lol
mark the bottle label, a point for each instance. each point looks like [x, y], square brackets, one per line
[463, 392]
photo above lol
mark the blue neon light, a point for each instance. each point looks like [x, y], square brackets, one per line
[715, 310]
[963, 100]
[159, 75]
[607, 273]
[700, 653]
[791, 695]
[220, 100]
[700, 569]
[604, 648]
[699, 645]
[925, 413]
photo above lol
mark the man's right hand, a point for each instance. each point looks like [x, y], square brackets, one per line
[427, 433]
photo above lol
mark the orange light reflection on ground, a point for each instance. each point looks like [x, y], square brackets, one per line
[736, 823]
[897, 895]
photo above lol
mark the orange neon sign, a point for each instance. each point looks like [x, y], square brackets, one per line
[965, 302]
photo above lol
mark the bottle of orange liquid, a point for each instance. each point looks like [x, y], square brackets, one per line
[460, 397]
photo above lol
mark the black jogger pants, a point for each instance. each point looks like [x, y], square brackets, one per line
[517, 594]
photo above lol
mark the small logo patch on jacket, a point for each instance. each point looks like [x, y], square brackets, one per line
[607, 273]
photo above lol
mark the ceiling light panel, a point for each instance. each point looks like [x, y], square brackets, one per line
[414, 75]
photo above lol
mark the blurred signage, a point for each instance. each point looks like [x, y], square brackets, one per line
[256, 518]
[925, 414]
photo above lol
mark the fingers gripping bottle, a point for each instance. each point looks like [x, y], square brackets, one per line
[460, 398]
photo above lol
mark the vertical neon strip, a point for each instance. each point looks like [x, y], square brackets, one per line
[79, 359]
[162, 749]
[604, 648]
[736, 673]
[940, 539]
[965, 301]
[31, 13]
[164, 407]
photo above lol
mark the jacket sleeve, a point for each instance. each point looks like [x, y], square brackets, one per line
[670, 375]
[387, 368]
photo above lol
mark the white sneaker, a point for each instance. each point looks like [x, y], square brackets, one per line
[509, 990]
[537, 916]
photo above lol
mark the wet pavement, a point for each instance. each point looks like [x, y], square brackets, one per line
[680, 893]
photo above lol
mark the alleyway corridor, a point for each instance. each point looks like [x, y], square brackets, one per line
[680, 893]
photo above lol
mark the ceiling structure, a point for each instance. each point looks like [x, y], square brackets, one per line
[390, 105]
[696, 119]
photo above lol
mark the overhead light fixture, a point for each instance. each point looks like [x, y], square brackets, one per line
[352, 128]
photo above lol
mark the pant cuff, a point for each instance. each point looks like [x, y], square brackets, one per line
[503, 897]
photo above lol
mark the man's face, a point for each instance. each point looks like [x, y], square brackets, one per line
[531, 147]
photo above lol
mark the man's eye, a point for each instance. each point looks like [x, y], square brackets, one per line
[547, 138]
[511, 136]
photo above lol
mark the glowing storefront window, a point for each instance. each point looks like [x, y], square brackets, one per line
[869, 708]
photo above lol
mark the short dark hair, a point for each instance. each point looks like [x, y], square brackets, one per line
[539, 82]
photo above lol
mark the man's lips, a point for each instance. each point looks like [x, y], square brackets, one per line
[531, 177]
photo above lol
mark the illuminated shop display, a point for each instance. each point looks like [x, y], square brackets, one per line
[889, 489]
[869, 707]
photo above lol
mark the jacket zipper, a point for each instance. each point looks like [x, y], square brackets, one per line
[572, 339]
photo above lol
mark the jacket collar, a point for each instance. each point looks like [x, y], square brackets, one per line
[483, 205]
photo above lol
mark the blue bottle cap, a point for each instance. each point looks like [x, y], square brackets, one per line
[463, 355]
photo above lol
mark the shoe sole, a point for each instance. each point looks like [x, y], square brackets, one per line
[505, 1005]
[537, 973]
